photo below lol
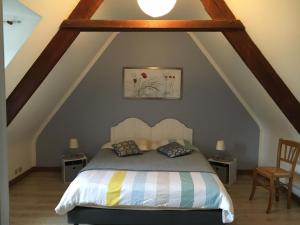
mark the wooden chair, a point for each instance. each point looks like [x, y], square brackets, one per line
[268, 177]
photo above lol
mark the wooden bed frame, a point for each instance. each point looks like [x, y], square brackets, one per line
[134, 128]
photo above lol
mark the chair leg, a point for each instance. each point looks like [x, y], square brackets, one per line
[289, 192]
[277, 190]
[271, 191]
[253, 185]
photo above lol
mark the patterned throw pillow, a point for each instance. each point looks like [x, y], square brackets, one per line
[183, 142]
[126, 148]
[174, 149]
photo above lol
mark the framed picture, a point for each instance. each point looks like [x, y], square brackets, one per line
[152, 83]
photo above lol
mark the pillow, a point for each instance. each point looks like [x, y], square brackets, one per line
[143, 144]
[126, 148]
[107, 145]
[185, 143]
[174, 149]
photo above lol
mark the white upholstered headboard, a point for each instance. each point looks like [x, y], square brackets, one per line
[133, 128]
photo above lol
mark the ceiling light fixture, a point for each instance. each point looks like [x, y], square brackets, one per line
[156, 8]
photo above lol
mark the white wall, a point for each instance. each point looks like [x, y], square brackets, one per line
[275, 31]
[22, 129]
[274, 25]
[4, 202]
[15, 35]
[21, 132]
[52, 13]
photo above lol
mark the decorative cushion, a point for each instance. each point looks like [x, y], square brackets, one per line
[185, 143]
[174, 149]
[126, 148]
[107, 145]
[143, 144]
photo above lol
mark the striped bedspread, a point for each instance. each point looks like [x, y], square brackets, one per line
[147, 190]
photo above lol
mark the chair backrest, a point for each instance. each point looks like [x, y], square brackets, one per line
[288, 152]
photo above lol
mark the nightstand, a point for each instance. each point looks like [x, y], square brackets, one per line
[225, 169]
[71, 165]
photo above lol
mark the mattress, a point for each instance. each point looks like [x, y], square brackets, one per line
[147, 189]
[106, 159]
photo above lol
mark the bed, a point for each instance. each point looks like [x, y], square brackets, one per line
[148, 189]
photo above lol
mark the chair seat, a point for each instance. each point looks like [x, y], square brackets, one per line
[272, 171]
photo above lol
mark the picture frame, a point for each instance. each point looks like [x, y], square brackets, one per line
[152, 83]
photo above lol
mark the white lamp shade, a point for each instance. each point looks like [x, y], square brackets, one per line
[73, 143]
[220, 145]
[156, 8]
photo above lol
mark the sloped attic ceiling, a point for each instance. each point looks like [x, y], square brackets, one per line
[78, 58]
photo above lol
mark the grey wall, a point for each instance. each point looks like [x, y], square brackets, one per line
[208, 105]
[4, 203]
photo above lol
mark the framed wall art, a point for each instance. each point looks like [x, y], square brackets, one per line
[152, 83]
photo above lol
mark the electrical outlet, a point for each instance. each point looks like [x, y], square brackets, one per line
[20, 169]
[16, 171]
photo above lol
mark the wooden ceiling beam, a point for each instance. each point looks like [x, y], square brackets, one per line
[84, 25]
[50, 56]
[257, 63]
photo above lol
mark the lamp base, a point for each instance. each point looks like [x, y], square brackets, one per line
[219, 155]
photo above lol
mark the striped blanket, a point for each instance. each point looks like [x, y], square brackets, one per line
[147, 190]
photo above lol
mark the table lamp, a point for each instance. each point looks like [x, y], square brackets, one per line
[220, 147]
[73, 144]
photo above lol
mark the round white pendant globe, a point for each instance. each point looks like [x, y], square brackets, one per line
[156, 8]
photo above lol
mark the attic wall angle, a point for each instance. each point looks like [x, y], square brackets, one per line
[225, 78]
[70, 91]
[257, 63]
[47, 60]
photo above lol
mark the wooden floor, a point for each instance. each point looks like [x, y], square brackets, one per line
[32, 202]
